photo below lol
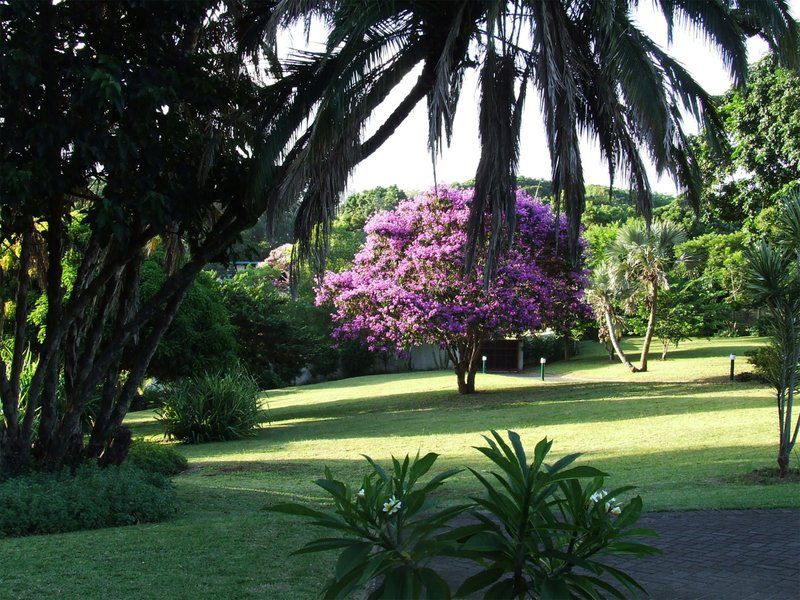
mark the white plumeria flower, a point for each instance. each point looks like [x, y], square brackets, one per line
[611, 507]
[360, 493]
[391, 506]
[598, 495]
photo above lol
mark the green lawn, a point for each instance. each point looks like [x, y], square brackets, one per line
[682, 433]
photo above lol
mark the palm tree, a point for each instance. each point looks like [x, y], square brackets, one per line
[774, 283]
[592, 67]
[641, 257]
[601, 296]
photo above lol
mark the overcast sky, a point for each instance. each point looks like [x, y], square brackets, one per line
[404, 159]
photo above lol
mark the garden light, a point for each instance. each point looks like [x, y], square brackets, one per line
[484, 363]
[542, 361]
[733, 360]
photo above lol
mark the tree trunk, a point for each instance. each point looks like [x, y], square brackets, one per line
[651, 326]
[783, 462]
[612, 336]
[465, 364]
[462, 375]
[665, 350]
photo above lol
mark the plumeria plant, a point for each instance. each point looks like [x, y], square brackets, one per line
[541, 531]
[387, 530]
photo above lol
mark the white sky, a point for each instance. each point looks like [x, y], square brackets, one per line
[404, 159]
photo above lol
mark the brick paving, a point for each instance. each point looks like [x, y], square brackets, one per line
[708, 555]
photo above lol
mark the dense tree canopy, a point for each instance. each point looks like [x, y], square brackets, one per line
[408, 287]
[594, 70]
[762, 121]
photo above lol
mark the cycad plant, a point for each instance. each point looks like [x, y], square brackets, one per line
[641, 257]
[774, 284]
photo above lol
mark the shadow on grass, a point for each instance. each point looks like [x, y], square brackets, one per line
[691, 478]
[554, 404]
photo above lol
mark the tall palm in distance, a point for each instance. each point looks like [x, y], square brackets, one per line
[640, 259]
[602, 296]
[773, 283]
[594, 71]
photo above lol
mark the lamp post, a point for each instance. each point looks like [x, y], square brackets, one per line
[483, 358]
[541, 366]
[733, 360]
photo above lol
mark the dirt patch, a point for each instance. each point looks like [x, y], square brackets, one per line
[769, 476]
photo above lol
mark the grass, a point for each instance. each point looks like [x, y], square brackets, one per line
[681, 432]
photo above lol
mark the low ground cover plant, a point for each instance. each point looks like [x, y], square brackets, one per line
[211, 407]
[89, 498]
[156, 458]
[538, 531]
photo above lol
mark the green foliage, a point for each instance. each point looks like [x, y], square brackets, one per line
[773, 283]
[215, 406]
[389, 527]
[156, 458]
[200, 338]
[599, 238]
[277, 336]
[344, 243]
[357, 208]
[547, 345]
[151, 396]
[88, 499]
[536, 526]
[537, 522]
[355, 358]
[762, 121]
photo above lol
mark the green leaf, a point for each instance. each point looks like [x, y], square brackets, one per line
[555, 589]
[335, 488]
[325, 544]
[436, 588]
[518, 449]
[576, 473]
[502, 590]
[291, 508]
[479, 581]
[422, 466]
[378, 469]
[354, 556]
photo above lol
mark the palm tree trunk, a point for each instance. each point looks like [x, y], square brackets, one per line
[612, 335]
[651, 325]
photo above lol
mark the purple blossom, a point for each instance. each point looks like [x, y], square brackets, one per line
[407, 286]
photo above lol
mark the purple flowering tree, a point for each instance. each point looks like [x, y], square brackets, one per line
[407, 286]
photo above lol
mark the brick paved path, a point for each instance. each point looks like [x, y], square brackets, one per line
[709, 555]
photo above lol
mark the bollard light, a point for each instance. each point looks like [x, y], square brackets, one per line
[542, 361]
[484, 363]
[733, 360]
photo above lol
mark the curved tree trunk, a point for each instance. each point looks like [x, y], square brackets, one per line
[612, 336]
[651, 326]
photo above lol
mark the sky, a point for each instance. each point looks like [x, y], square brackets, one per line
[404, 159]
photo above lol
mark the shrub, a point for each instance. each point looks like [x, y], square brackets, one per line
[200, 336]
[152, 396]
[536, 523]
[547, 345]
[541, 522]
[90, 499]
[211, 407]
[389, 529]
[277, 335]
[156, 458]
